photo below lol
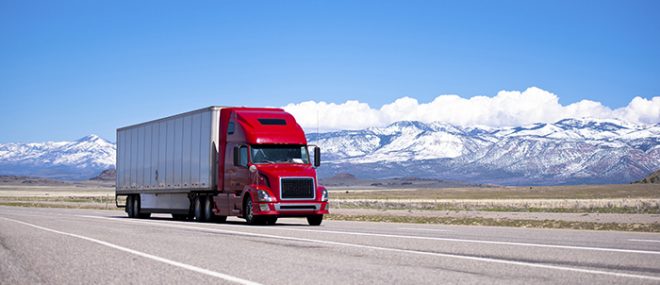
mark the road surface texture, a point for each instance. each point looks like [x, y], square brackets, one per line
[62, 246]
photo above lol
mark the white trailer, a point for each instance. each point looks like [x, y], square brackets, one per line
[166, 159]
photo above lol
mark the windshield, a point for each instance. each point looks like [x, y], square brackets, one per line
[279, 154]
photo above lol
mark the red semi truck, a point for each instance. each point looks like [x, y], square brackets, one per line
[216, 162]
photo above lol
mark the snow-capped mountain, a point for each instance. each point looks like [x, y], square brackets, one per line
[80, 159]
[567, 151]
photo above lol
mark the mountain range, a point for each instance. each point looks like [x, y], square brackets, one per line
[569, 151]
[69, 160]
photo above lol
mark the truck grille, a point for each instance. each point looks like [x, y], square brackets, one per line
[297, 188]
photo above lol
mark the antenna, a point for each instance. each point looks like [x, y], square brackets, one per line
[317, 124]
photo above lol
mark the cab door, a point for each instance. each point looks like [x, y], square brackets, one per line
[240, 174]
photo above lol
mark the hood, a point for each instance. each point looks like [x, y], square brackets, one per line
[275, 171]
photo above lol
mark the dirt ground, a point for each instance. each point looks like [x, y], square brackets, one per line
[529, 192]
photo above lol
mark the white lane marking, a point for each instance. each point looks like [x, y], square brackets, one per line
[508, 243]
[644, 240]
[146, 255]
[539, 245]
[488, 242]
[423, 229]
[410, 251]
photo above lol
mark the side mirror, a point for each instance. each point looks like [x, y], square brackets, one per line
[317, 156]
[237, 156]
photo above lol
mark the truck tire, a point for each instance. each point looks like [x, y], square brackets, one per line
[315, 220]
[199, 208]
[129, 206]
[248, 213]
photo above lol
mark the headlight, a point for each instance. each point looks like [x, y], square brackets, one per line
[324, 195]
[262, 196]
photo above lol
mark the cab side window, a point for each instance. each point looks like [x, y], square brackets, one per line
[231, 128]
[241, 156]
[244, 156]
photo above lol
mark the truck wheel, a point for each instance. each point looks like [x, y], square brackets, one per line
[315, 220]
[199, 211]
[250, 218]
[129, 206]
[208, 208]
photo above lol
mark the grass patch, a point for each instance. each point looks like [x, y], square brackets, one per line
[617, 191]
[594, 210]
[546, 224]
[59, 205]
[619, 206]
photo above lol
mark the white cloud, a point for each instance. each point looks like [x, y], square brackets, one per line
[507, 108]
[641, 110]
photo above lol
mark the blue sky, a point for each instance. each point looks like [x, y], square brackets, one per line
[71, 68]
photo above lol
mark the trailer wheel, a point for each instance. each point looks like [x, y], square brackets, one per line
[129, 206]
[314, 220]
[208, 208]
[136, 207]
[199, 211]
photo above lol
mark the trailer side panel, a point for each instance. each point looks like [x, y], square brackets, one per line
[176, 154]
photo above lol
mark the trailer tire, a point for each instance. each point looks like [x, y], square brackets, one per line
[129, 206]
[208, 208]
[198, 209]
[137, 208]
[315, 220]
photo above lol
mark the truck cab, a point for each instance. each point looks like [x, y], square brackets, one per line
[268, 171]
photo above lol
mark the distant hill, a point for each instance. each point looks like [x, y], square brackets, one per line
[106, 175]
[651, 178]
[29, 181]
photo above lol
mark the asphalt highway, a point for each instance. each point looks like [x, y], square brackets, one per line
[63, 246]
